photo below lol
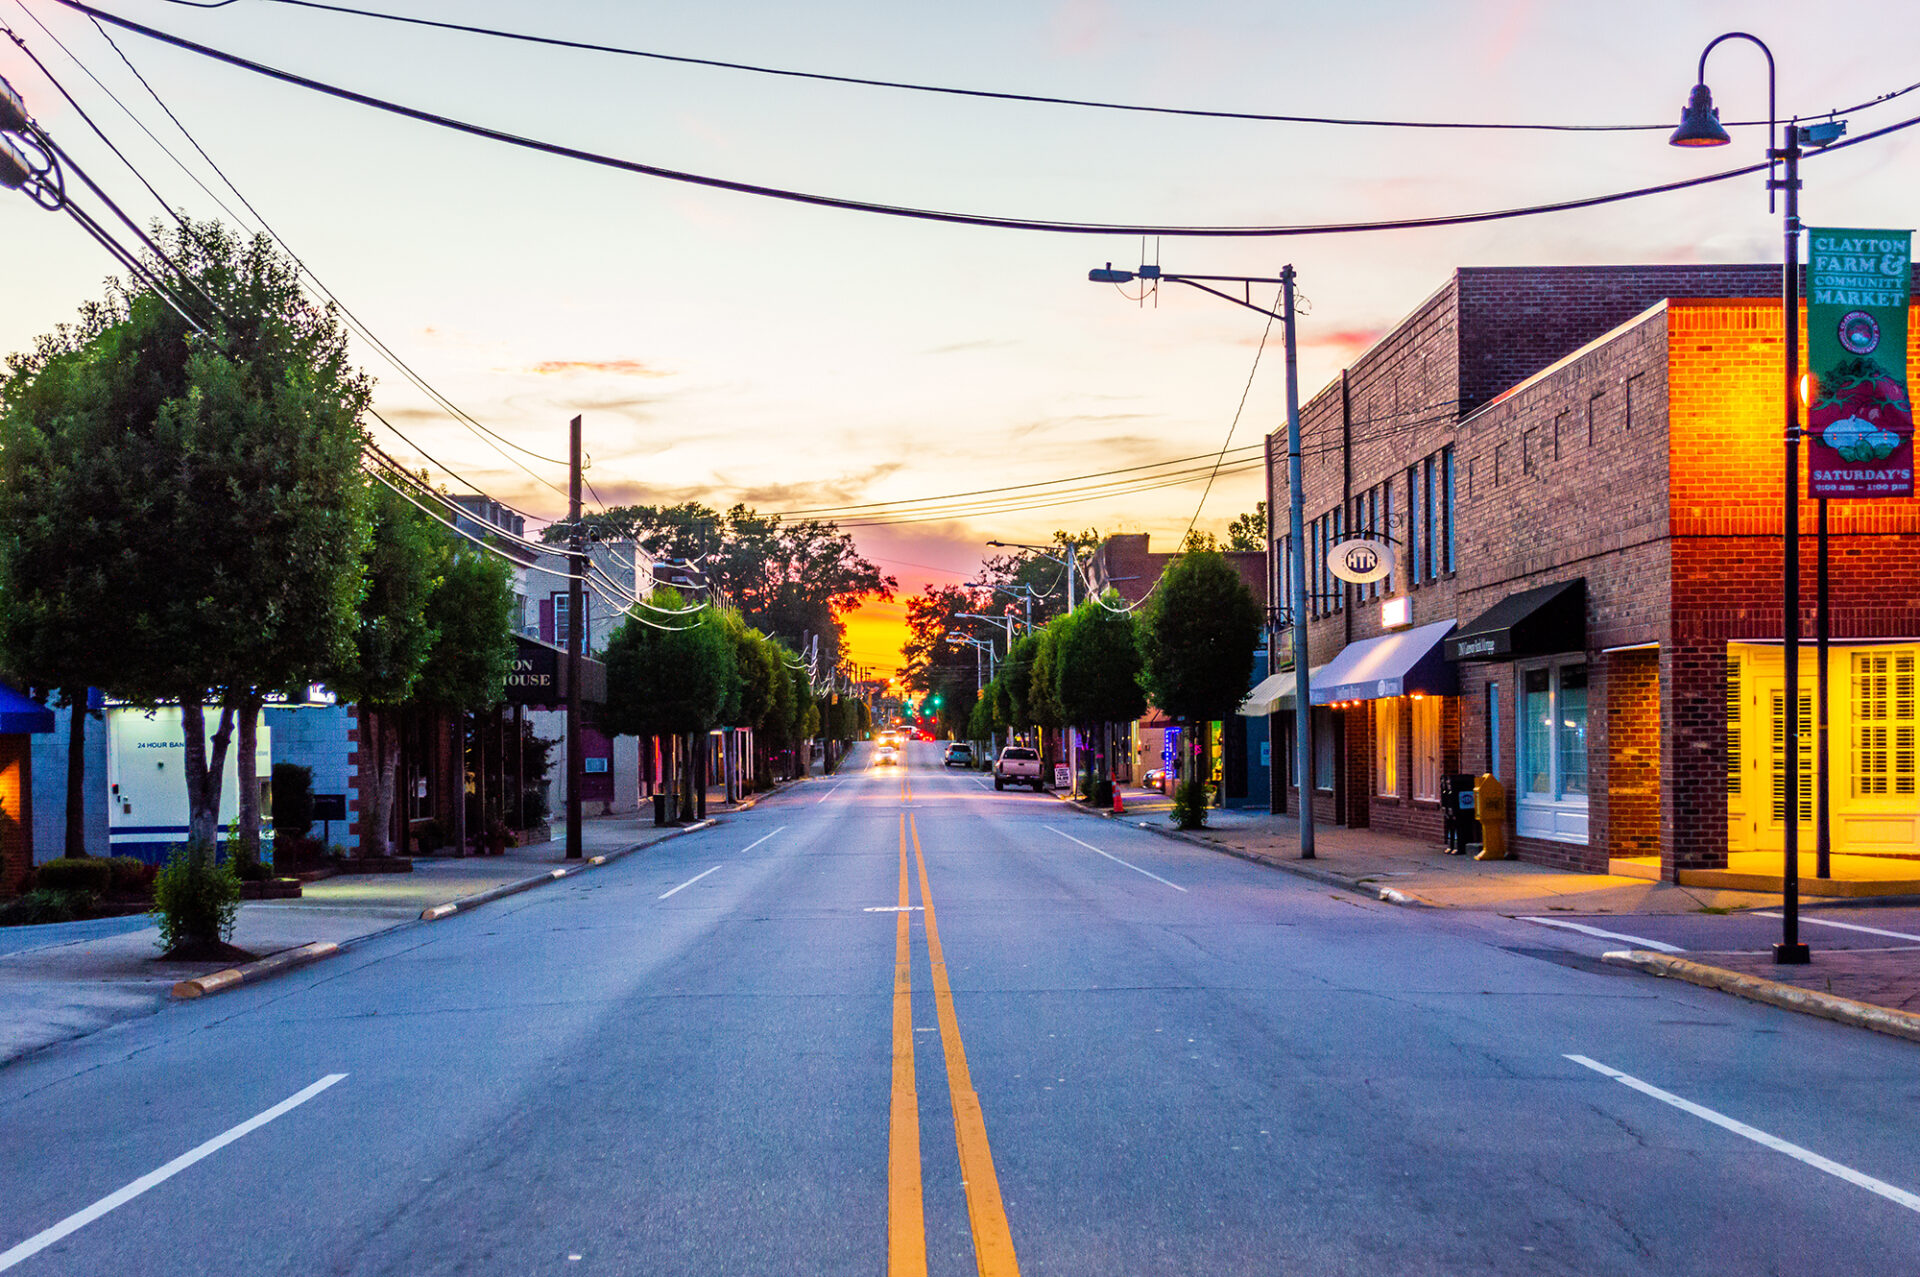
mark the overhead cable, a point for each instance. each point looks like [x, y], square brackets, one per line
[998, 95]
[990, 221]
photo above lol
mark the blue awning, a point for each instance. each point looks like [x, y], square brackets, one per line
[19, 715]
[1391, 665]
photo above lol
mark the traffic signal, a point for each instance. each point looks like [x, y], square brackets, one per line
[936, 700]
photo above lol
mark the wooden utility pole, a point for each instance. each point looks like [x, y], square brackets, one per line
[576, 639]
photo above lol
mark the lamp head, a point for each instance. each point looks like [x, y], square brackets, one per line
[1109, 275]
[1699, 122]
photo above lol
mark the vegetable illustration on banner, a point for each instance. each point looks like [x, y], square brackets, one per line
[1860, 416]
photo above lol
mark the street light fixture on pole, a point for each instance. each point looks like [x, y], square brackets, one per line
[1296, 518]
[1700, 126]
[1070, 563]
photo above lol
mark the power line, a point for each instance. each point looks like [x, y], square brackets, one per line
[998, 95]
[939, 215]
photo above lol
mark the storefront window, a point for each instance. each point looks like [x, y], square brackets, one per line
[1386, 747]
[1323, 749]
[1536, 764]
[1886, 724]
[1572, 717]
[1426, 748]
[1493, 731]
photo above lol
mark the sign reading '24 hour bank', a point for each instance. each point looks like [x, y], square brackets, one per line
[1859, 414]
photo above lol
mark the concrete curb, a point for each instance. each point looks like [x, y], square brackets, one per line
[233, 977]
[464, 903]
[1828, 1006]
[1299, 869]
[286, 960]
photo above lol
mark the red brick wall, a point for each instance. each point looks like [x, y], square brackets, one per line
[1728, 490]
[1627, 808]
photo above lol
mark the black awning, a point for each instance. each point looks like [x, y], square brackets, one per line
[1537, 622]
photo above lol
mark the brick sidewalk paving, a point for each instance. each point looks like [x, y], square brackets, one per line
[1879, 977]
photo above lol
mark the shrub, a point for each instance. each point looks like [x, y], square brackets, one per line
[129, 877]
[251, 870]
[1103, 792]
[90, 874]
[195, 898]
[42, 906]
[1190, 805]
[430, 838]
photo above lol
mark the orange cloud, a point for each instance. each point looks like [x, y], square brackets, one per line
[615, 367]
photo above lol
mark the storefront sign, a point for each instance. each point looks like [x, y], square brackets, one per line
[1859, 414]
[1361, 561]
[534, 678]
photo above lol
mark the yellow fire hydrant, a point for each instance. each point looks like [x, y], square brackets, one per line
[1490, 806]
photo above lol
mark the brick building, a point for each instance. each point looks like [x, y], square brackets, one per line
[1580, 469]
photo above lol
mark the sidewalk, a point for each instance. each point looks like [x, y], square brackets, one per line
[70, 979]
[1871, 988]
[1420, 872]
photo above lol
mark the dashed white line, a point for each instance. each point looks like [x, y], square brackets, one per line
[1774, 1142]
[80, 1219]
[762, 838]
[1846, 926]
[688, 883]
[1641, 941]
[1115, 859]
[831, 792]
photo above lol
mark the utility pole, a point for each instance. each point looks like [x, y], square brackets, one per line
[576, 639]
[1297, 602]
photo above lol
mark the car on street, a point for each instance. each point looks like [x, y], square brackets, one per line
[885, 756]
[959, 754]
[1018, 765]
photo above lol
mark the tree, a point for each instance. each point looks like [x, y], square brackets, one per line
[786, 579]
[406, 566]
[1096, 670]
[192, 500]
[1197, 643]
[472, 616]
[1249, 531]
[667, 679]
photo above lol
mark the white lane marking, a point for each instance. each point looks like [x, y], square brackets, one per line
[762, 838]
[1847, 926]
[688, 883]
[1115, 859]
[831, 792]
[1641, 941]
[80, 1219]
[1900, 1195]
[893, 908]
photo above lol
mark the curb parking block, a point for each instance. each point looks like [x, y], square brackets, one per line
[200, 986]
[1789, 997]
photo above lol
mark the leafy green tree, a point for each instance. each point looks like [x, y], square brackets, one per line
[668, 679]
[194, 501]
[406, 565]
[1249, 531]
[1197, 643]
[471, 614]
[1043, 678]
[1096, 673]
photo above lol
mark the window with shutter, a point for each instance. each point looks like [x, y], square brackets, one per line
[1733, 726]
[1777, 719]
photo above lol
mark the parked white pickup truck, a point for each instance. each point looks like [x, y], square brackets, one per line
[1018, 765]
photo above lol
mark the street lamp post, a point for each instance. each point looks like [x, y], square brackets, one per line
[1700, 126]
[1296, 518]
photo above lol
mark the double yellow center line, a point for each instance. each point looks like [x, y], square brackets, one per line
[906, 1212]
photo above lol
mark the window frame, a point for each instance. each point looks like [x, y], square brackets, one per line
[1386, 748]
[1427, 752]
[1556, 816]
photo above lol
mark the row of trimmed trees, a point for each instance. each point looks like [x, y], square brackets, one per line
[1189, 650]
[674, 678]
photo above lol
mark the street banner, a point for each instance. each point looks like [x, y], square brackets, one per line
[1859, 414]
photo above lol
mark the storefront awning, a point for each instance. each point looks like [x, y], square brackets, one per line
[20, 715]
[1391, 665]
[1537, 622]
[1274, 693]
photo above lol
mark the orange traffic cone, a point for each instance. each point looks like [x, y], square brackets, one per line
[1119, 802]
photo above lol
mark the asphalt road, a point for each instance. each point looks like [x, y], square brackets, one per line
[1099, 1052]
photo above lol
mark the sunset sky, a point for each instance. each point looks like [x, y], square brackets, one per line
[727, 348]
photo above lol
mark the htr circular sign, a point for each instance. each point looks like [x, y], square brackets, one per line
[1362, 561]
